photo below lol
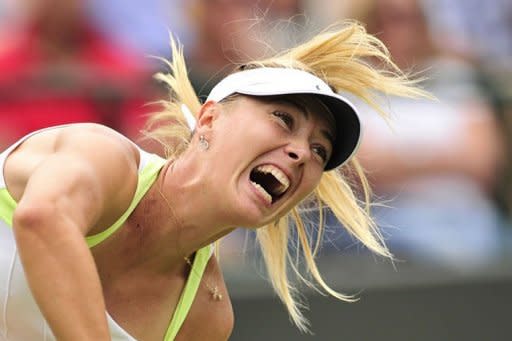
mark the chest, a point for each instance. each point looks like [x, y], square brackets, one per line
[144, 307]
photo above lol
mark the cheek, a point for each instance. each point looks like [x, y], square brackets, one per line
[308, 185]
[310, 182]
[245, 137]
[234, 147]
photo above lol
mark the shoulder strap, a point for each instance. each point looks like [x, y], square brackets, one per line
[189, 292]
[146, 178]
[7, 206]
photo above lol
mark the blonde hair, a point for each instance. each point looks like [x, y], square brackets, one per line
[341, 57]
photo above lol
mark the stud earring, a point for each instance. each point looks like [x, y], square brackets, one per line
[203, 143]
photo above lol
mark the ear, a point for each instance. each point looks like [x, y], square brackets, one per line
[207, 115]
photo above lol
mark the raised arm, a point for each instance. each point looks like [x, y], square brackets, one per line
[85, 179]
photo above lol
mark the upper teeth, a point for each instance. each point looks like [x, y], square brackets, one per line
[278, 174]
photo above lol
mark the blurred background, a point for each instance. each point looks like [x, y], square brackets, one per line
[441, 170]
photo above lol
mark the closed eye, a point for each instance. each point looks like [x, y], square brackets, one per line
[286, 118]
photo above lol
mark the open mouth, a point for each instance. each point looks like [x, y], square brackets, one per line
[270, 181]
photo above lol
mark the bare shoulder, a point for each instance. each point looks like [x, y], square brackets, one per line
[75, 145]
[89, 169]
[97, 138]
[81, 136]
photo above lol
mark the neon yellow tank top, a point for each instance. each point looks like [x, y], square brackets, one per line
[148, 172]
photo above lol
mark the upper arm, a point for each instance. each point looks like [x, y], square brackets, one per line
[88, 177]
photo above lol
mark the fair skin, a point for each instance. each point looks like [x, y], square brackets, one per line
[76, 181]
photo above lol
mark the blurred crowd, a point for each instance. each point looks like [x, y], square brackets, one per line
[437, 170]
[441, 170]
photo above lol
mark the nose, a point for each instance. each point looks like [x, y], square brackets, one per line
[298, 152]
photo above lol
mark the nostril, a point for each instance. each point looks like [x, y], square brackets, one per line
[293, 155]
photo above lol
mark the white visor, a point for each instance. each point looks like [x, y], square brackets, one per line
[283, 81]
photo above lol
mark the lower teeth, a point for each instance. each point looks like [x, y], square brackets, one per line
[262, 191]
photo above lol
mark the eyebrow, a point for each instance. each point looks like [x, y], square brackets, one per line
[300, 107]
[326, 133]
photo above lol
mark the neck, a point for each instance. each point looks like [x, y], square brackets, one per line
[180, 216]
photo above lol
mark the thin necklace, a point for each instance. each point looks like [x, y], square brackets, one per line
[213, 289]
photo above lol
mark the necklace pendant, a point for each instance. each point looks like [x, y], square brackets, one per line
[217, 296]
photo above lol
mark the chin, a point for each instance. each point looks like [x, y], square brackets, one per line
[254, 220]
[266, 220]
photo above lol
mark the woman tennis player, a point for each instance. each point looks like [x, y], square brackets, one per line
[100, 240]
